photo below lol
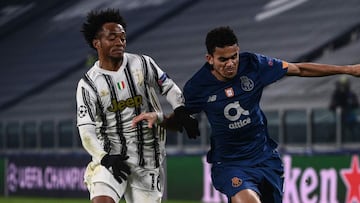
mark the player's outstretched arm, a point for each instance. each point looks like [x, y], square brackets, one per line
[318, 69]
[167, 121]
[176, 121]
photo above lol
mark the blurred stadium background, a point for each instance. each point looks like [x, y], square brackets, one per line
[43, 56]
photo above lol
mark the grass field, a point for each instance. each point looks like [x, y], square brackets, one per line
[47, 200]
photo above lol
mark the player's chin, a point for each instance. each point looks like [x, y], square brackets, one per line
[117, 52]
[230, 74]
[117, 56]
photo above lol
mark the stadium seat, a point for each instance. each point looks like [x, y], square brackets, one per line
[273, 120]
[66, 129]
[295, 127]
[324, 126]
[1, 136]
[47, 134]
[12, 135]
[29, 134]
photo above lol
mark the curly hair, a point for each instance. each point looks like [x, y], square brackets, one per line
[96, 19]
[220, 37]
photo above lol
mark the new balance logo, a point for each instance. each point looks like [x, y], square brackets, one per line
[212, 98]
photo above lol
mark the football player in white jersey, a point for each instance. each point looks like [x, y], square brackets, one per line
[126, 157]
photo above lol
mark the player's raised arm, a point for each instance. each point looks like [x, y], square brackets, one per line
[318, 69]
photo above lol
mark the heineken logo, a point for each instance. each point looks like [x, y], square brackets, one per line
[308, 179]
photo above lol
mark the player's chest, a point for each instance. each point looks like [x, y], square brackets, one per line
[121, 90]
[245, 91]
[120, 82]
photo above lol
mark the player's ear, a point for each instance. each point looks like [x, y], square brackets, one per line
[96, 43]
[210, 59]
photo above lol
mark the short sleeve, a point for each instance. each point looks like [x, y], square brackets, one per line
[271, 69]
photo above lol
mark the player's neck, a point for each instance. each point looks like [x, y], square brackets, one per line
[111, 65]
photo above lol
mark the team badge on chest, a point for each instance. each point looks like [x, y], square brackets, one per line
[246, 83]
[139, 77]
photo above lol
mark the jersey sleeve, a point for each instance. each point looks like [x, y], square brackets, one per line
[86, 109]
[85, 104]
[159, 80]
[193, 102]
[270, 69]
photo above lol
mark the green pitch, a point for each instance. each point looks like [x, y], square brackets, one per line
[47, 200]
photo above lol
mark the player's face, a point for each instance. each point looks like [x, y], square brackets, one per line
[225, 62]
[111, 42]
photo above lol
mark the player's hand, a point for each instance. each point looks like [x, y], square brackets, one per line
[190, 123]
[116, 164]
[355, 70]
[150, 117]
[171, 123]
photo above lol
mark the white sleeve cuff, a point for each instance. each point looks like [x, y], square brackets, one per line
[160, 117]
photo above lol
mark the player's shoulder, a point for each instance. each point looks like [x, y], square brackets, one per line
[93, 72]
[246, 54]
[251, 56]
[249, 59]
[130, 57]
[140, 58]
[91, 75]
[133, 56]
[201, 74]
[201, 78]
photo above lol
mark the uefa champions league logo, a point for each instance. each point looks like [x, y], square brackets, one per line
[82, 111]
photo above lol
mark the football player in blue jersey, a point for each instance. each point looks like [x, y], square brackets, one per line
[245, 163]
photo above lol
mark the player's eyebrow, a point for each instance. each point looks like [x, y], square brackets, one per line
[221, 58]
[113, 32]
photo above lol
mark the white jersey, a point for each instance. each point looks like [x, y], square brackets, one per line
[109, 100]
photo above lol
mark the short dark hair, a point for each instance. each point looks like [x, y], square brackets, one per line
[96, 19]
[220, 37]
